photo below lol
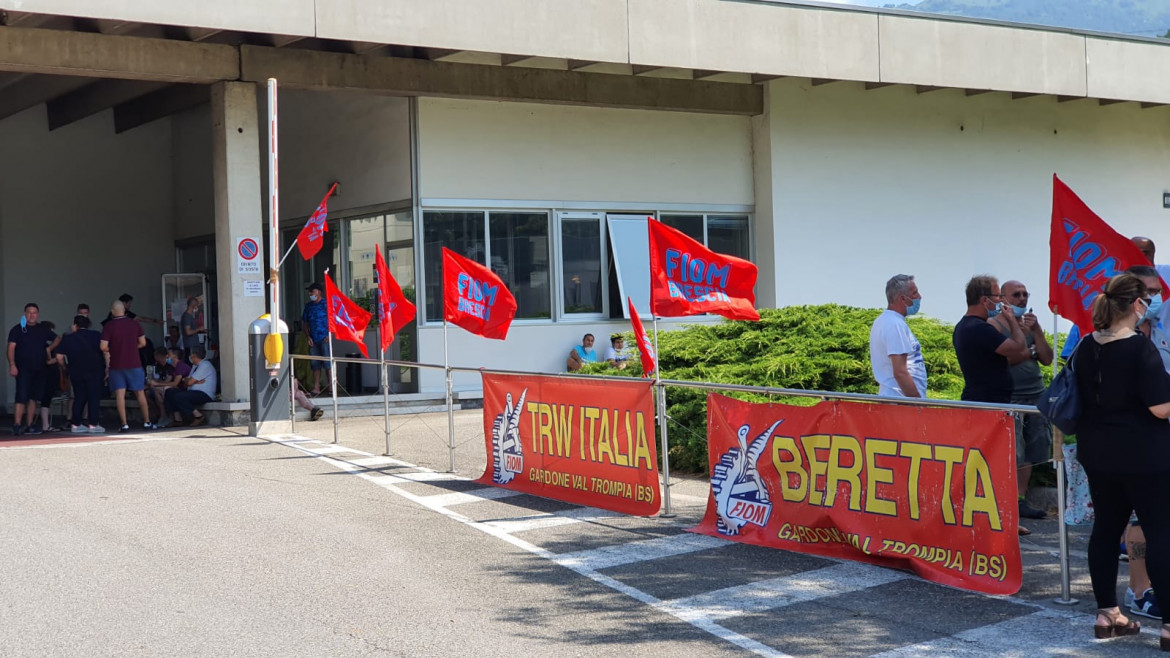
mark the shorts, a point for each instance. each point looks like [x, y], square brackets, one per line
[1033, 434]
[30, 384]
[52, 385]
[128, 378]
[319, 348]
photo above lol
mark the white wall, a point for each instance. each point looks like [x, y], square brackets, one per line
[866, 184]
[85, 215]
[494, 150]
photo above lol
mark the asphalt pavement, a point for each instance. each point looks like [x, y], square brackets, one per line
[209, 542]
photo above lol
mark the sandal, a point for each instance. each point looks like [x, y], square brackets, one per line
[1117, 629]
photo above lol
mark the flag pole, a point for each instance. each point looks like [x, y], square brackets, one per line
[382, 352]
[1058, 464]
[450, 408]
[333, 385]
[286, 255]
[661, 390]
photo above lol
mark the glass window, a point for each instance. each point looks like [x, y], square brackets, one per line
[630, 245]
[691, 225]
[582, 266]
[519, 252]
[728, 234]
[365, 236]
[461, 232]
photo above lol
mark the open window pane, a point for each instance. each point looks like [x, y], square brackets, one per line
[520, 257]
[461, 232]
[691, 225]
[581, 251]
[728, 234]
[630, 243]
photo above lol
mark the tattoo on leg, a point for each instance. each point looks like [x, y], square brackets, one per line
[1137, 550]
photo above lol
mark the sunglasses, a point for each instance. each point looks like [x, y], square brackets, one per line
[1020, 294]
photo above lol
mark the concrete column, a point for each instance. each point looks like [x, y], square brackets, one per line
[767, 252]
[238, 214]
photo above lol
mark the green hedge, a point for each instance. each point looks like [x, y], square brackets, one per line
[824, 348]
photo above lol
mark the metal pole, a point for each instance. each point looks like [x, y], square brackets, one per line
[273, 210]
[450, 407]
[292, 397]
[333, 385]
[1058, 464]
[385, 375]
[661, 399]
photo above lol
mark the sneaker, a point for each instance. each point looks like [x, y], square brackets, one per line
[316, 413]
[1146, 605]
[97, 429]
[1029, 512]
[1129, 597]
[198, 420]
[17, 430]
[33, 430]
[124, 429]
[78, 429]
[149, 426]
[163, 423]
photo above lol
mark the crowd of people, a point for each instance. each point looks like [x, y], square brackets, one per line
[1122, 371]
[118, 358]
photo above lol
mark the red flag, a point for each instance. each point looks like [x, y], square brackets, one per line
[312, 236]
[687, 278]
[475, 298]
[347, 320]
[1086, 253]
[645, 348]
[394, 310]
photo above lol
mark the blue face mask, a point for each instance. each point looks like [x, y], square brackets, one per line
[23, 322]
[995, 311]
[1019, 311]
[1155, 307]
[170, 361]
[914, 307]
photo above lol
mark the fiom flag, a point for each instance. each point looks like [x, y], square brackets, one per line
[475, 298]
[394, 310]
[1086, 253]
[649, 356]
[687, 278]
[312, 236]
[347, 320]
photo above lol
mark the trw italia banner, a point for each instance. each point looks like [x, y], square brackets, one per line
[588, 443]
[932, 490]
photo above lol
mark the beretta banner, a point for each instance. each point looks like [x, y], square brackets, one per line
[932, 490]
[583, 442]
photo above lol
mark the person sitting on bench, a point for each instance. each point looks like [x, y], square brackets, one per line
[184, 405]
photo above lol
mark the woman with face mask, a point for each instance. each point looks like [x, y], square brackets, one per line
[1123, 442]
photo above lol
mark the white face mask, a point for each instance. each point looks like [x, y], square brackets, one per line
[315, 297]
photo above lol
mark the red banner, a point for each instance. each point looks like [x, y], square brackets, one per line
[475, 298]
[932, 490]
[312, 235]
[553, 437]
[645, 348]
[394, 310]
[347, 320]
[1086, 253]
[687, 278]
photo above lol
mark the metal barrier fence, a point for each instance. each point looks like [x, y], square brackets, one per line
[661, 385]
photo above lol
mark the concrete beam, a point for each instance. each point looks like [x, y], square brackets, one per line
[870, 86]
[34, 90]
[95, 97]
[57, 52]
[298, 69]
[159, 104]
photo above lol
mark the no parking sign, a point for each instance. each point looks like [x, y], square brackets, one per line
[248, 256]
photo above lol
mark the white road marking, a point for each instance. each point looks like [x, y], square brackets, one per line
[1043, 633]
[640, 551]
[552, 520]
[797, 588]
[370, 462]
[327, 449]
[473, 496]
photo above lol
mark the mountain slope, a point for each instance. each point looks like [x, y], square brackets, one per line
[1150, 18]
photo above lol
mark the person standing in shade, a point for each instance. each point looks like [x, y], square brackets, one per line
[127, 301]
[83, 310]
[122, 338]
[184, 404]
[1033, 433]
[189, 329]
[582, 354]
[315, 322]
[81, 353]
[895, 355]
[30, 344]
[982, 350]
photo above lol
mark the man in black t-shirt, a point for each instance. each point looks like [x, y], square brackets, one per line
[29, 345]
[984, 352]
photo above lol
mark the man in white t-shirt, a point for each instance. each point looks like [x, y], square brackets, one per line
[894, 352]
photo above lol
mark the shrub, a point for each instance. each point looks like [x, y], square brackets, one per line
[822, 348]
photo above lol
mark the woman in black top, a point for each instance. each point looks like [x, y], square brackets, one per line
[1123, 441]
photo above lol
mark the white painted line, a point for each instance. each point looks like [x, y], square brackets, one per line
[797, 588]
[473, 496]
[640, 551]
[427, 476]
[706, 625]
[541, 521]
[327, 449]
[369, 462]
[1044, 633]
